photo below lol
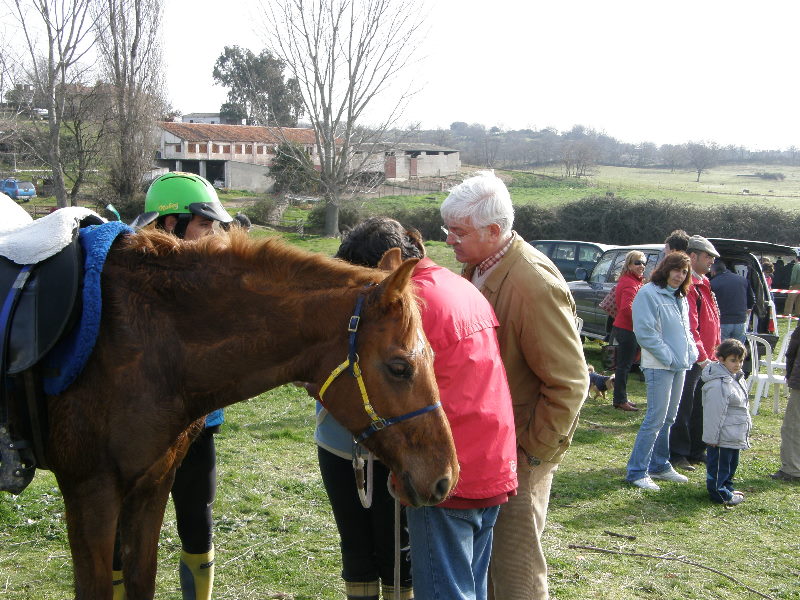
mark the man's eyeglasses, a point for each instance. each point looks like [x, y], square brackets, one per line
[639, 263]
[456, 237]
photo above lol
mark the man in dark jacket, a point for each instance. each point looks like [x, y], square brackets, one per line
[735, 299]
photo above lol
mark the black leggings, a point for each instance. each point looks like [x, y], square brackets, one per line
[626, 354]
[366, 534]
[193, 495]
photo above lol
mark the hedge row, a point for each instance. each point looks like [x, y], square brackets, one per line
[613, 220]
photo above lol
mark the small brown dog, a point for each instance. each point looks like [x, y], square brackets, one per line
[599, 384]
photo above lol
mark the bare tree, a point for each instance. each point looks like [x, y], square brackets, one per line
[578, 156]
[701, 156]
[54, 59]
[129, 46]
[87, 119]
[344, 54]
[8, 112]
[672, 156]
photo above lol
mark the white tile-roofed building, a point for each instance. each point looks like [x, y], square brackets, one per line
[201, 118]
[405, 160]
[239, 156]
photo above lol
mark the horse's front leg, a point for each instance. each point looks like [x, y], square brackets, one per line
[92, 508]
[140, 523]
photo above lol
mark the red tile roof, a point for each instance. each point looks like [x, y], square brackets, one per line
[206, 132]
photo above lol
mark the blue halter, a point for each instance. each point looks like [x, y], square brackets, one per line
[351, 364]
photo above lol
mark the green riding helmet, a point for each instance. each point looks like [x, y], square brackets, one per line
[185, 193]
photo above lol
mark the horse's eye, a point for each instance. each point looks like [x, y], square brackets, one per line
[400, 369]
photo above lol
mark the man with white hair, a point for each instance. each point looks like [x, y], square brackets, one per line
[544, 362]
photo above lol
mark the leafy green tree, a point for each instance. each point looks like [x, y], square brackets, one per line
[292, 169]
[231, 112]
[257, 89]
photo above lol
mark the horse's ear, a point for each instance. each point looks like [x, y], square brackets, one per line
[391, 259]
[395, 283]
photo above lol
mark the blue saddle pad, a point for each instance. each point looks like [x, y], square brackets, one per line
[67, 359]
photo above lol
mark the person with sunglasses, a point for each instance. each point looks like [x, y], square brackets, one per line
[630, 280]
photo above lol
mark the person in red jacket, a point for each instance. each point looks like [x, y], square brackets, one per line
[686, 435]
[451, 543]
[630, 280]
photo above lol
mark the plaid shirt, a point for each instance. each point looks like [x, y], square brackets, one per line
[494, 258]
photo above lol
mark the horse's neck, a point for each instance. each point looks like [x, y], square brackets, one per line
[231, 334]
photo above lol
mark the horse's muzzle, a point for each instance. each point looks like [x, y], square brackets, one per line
[417, 498]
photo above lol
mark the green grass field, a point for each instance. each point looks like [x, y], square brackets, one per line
[275, 536]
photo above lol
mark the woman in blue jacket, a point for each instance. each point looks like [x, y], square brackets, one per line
[661, 325]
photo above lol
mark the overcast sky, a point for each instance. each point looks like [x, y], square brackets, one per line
[665, 72]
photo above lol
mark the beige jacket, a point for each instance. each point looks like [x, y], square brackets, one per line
[540, 347]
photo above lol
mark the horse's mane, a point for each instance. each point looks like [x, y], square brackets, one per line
[268, 257]
[264, 263]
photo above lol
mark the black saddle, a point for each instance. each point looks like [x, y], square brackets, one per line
[45, 308]
[40, 304]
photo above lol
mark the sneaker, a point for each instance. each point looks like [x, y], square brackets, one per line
[735, 499]
[683, 464]
[646, 484]
[670, 475]
[737, 493]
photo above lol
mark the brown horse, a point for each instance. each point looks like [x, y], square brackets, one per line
[187, 328]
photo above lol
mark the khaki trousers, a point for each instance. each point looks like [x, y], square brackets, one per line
[790, 436]
[518, 569]
[791, 307]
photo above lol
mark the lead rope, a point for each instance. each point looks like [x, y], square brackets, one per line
[366, 501]
[396, 549]
[364, 491]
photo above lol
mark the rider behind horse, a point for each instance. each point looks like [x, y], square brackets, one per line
[187, 206]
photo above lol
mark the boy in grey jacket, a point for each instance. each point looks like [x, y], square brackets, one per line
[726, 421]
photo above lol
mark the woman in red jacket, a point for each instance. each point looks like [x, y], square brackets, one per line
[630, 280]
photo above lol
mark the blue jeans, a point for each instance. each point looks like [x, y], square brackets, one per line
[651, 449]
[721, 465]
[733, 330]
[450, 550]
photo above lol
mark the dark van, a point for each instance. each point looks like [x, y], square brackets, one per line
[570, 255]
[740, 256]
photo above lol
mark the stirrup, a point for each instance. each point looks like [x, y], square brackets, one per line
[17, 465]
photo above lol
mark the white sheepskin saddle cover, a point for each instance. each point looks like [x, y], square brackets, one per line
[26, 242]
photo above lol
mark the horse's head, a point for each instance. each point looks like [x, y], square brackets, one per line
[396, 412]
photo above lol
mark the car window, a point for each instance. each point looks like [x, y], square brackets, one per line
[601, 268]
[25, 185]
[616, 266]
[652, 261]
[543, 248]
[588, 253]
[564, 252]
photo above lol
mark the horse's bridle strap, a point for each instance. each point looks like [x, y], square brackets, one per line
[352, 363]
[394, 420]
[356, 370]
